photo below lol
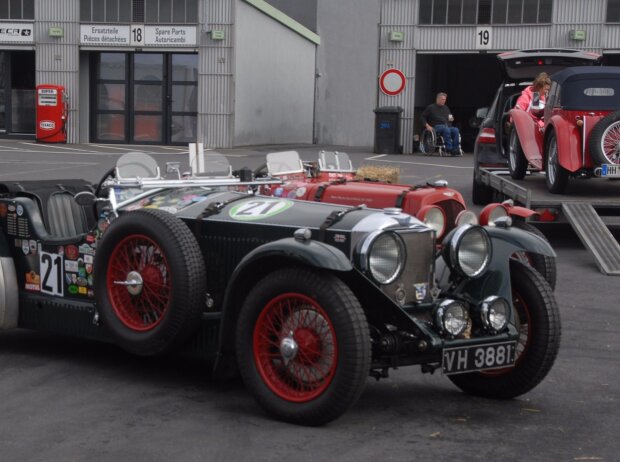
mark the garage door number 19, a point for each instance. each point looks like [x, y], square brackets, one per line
[483, 38]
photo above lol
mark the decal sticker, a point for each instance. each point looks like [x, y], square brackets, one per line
[258, 209]
[19, 210]
[73, 290]
[340, 238]
[51, 265]
[25, 247]
[82, 290]
[87, 250]
[90, 238]
[421, 289]
[71, 252]
[33, 281]
[278, 192]
[88, 259]
[33, 246]
[71, 266]
[300, 192]
[12, 208]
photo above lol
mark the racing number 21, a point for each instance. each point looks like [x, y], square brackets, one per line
[51, 273]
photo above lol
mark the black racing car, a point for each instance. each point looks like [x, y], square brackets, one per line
[305, 300]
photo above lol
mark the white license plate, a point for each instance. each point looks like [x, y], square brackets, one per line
[478, 357]
[610, 170]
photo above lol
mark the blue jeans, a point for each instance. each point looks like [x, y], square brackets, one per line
[450, 136]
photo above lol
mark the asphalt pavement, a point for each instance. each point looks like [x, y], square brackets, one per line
[63, 399]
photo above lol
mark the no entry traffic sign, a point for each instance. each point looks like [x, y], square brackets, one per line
[392, 82]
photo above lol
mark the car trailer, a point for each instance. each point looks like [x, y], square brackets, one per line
[589, 207]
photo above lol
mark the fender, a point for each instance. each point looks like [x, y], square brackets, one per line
[518, 211]
[252, 267]
[505, 242]
[9, 299]
[5, 250]
[568, 138]
[529, 134]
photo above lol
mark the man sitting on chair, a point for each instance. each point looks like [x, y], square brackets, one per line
[437, 116]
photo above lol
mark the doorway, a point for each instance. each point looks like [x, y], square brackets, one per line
[17, 93]
[144, 98]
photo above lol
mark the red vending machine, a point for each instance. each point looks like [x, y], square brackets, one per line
[52, 112]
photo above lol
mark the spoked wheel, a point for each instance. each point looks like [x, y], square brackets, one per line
[149, 281]
[544, 264]
[604, 141]
[538, 323]
[303, 346]
[556, 177]
[517, 163]
[427, 142]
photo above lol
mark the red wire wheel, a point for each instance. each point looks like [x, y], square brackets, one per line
[150, 282]
[295, 347]
[138, 282]
[302, 345]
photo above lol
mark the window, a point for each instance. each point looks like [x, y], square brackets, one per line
[492, 11]
[613, 10]
[17, 9]
[136, 11]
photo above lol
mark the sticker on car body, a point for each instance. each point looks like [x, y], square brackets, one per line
[258, 209]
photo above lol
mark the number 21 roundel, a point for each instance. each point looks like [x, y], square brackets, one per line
[257, 209]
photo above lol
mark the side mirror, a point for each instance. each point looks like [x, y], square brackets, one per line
[85, 199]
[482, 112]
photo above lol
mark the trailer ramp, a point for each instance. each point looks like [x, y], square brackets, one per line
[594, 235]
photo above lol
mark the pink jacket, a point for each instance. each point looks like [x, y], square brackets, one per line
[525, 100]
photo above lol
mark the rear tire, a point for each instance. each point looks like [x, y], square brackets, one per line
[303, 346]
[517, 163]
[556, 176]
[538, 321]
[481, 194]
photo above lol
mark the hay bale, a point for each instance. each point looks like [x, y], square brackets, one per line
[378, 173]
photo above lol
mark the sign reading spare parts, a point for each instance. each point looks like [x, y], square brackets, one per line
[16, 32]
[137, 35]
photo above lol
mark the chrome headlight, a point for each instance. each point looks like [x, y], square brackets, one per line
[491, 213]
[494, 313]
[469, 250]
[384, 257]
[434, 217]
[451, 317]
[466, 217]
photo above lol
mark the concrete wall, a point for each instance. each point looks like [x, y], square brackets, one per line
[347, 72]
[274, 81]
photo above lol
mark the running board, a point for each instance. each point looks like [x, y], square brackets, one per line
[594, 235]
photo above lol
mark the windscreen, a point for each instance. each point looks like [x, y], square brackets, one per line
[591, 94]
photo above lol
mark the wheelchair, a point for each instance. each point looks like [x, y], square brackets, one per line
[431, 143]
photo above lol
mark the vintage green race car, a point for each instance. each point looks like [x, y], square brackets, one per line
[305, 300]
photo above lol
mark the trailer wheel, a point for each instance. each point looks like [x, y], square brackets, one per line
[149, 281]
[557, 176]
[517, 163]
[303, 346]
[538, 322]
[604, 141]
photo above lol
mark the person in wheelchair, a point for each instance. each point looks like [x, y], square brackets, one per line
[437, 117]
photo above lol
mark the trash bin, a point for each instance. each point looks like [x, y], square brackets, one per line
[387, 130]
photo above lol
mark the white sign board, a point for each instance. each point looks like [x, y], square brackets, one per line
[392, 82]
[16, 32]
[483, 38]
[176, 36]
[104, 34]
[48, 97]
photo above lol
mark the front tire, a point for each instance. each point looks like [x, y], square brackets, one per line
[303, 346]
[538, 321]
[517, 163]
[544, 264]
[556, 177]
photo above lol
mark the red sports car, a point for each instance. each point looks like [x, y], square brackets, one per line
[581, 132]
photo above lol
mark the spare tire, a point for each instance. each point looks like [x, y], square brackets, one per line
[150, 281]
[604, 141]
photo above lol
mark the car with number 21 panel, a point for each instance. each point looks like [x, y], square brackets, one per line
[305, 301]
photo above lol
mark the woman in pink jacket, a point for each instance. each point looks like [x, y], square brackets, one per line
[535, 106]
